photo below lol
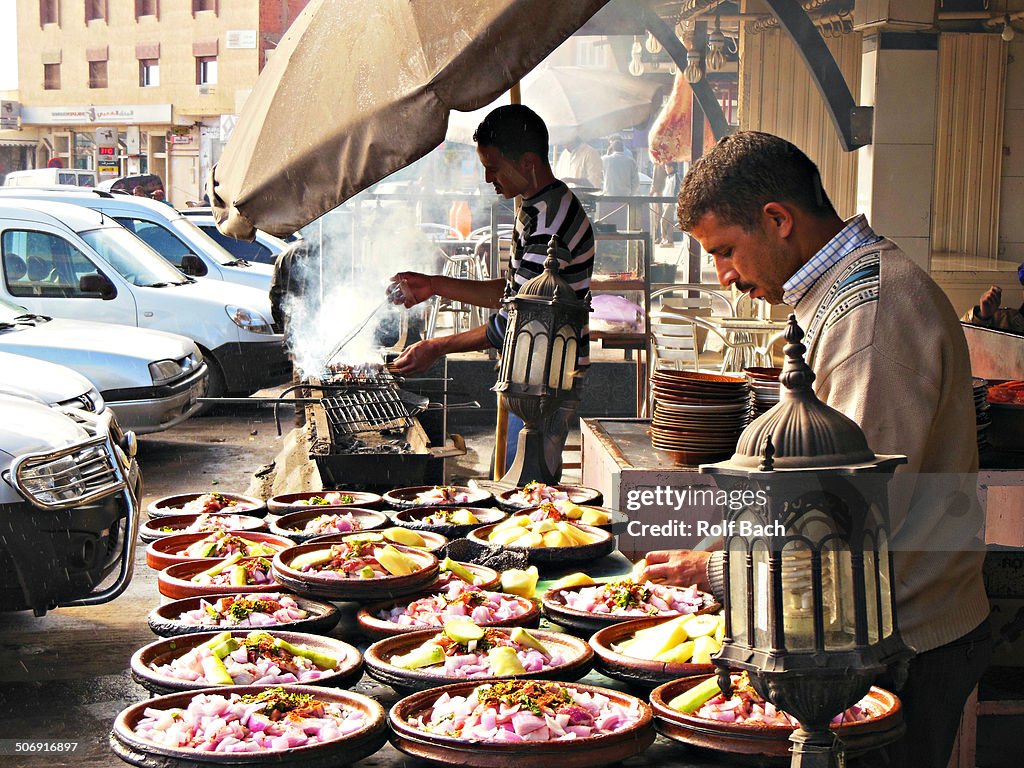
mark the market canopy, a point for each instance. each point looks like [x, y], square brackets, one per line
[357, 90]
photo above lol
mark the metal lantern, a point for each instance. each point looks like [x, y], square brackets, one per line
[539, 360]
[807, 570]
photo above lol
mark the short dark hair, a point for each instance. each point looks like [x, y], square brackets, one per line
[742, 173]
[513, 129]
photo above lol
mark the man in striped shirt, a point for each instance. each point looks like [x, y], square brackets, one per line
[512, 144]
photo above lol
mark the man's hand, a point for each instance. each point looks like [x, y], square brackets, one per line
[990, 301]
[410, 288]
[681, 567]
[418, 357]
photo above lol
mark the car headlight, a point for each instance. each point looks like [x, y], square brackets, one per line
[248, 320]
[164, 371]
[55, 481]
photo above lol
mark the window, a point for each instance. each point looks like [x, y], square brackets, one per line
[241, 249]
[591, 52]
[49, 12]
[203, 5]
[149, 73]
[97, 74]
[147, 8]
[95, 10]
[156, 237]
[51, 77]
[42, 264]
[206, 70]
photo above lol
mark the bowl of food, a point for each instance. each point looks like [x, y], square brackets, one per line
[259, 610]
[480, 724]
[547, 544]
[567, 511]
[212, 502]
[463, 650]
[436, 496]
[230, 576]
[534, 494]
[592, 607]
[188, 547]
[298, 725]
[425, 541]
[203, 522]
[310, 523]
[451, 521]
[355, 570]
[694, 711]
[245, 657]
[457, 600]
[284, 503]
[649, 652]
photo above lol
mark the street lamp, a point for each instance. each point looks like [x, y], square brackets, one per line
[539, 360]
[807, 572]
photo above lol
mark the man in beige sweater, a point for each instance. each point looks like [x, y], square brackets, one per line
[888, 351]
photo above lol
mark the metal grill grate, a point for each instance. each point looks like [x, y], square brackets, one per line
[368, 377]
[365, 410]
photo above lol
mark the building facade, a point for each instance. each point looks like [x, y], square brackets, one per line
[127, 87]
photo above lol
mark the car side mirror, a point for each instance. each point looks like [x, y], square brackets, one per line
[97, 283]
[192, 265]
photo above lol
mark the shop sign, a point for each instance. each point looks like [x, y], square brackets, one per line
[114, 170]
[124, 114]
[9, 111]
[106, 137]
[240, 38]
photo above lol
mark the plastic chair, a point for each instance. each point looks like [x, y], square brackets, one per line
[677, 340]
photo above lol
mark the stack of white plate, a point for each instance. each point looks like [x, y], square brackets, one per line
[764, 389]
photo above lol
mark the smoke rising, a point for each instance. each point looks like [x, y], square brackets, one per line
[353, 253]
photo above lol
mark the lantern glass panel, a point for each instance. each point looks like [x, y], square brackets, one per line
[540, 354]
[871, 591]
[837, 595]
[569, 371]
[798, 596]
[521, 363]
[762, 595]
[557, 353]
[884, 586]
[738, 591]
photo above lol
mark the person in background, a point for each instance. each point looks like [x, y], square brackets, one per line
[620, 175]
[988, 313]
[580, 164]
[664, 183]
[512, 145]
[138, 191]
[158, 194]
[289, 283]
[899, 368]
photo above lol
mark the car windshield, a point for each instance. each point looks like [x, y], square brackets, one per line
[200, 241]
[135, 261]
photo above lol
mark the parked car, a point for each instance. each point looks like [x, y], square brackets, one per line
[68, 506]
[152, 380]
[46, 177]
[165, 230]
[262, 250]
[69, 261]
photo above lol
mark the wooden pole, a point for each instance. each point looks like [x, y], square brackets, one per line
[501, 428]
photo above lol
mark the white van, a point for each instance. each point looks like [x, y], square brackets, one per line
[165, 230]
[68, 261]
[47, 177]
